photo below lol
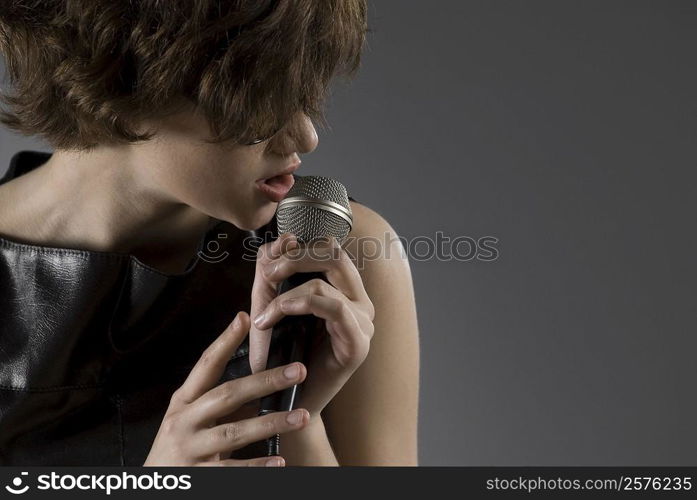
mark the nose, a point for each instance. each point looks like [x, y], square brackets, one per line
[298, 136]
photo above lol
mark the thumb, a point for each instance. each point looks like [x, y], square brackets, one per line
[259, 341]
[263, 292]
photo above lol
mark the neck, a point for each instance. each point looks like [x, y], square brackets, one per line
[103, 200]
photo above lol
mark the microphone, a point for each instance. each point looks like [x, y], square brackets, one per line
[314, 208]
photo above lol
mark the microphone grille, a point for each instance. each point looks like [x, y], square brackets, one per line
[315, 207]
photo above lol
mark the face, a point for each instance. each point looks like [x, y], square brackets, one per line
[240, 184]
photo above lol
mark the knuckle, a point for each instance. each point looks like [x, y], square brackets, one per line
[278, 267]
[317, 285]
[342, 259]
[269, 379]
[206, 358]
[339, 308]
[265, 249]
[275, 305]
[279, 380]
[259, 267]
[270, 309]
[227, 395]
[262, 256]
[352, 352]
[345, 359]
[344, 308]
[273, 425]
[370, 330]
[232, 433]
[177, 397]
[307, 300]
[170, 424]
[370, 309]
[363, 349]
[356, 352]
[284, 241]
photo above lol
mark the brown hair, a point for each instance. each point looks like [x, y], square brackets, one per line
[84, 72]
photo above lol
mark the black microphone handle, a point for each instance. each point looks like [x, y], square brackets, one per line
[291, 338]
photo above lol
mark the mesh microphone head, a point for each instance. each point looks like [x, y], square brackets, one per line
[315, 207]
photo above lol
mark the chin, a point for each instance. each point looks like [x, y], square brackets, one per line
[257, 219]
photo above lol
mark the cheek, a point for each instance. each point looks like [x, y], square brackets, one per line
[219, 185]
[222, 191]
[200, 178]
[230, 194]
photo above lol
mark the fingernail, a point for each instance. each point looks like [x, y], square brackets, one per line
[259, 320]
[236, 321]
[275, 462]
[295, 417]
[287, 303]
[291, 372]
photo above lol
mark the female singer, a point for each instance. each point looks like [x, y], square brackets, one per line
[176, 128]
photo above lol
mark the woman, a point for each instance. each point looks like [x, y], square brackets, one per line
[176, 128]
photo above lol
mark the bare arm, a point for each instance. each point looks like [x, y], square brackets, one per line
[373, 419]
[362, 385]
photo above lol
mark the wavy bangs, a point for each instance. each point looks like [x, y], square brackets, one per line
[87, 72]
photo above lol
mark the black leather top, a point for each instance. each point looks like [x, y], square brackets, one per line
[92, 344]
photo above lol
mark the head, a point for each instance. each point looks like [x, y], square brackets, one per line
[225, 92]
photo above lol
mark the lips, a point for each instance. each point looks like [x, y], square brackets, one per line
[276, 187]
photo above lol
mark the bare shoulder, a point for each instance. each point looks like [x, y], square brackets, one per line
[373, 419]
[8, 195]
[20, 218]
[367, 222]
[376, 248]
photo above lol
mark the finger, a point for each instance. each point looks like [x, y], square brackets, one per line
[349, 342]
[252, 462]
[259, 342]
[231, 395]
[273, 313]
[210, 367]
[262, 293]
[273, 250]
[341, 318]
[328, 308]
[247, 410]
[329, 259]
[233, 436]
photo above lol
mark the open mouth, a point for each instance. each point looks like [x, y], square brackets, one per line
[275, 188]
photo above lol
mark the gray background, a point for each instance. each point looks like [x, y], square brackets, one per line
[567, 130]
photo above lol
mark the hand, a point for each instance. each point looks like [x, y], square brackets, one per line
[343, 303]
[196, 429]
